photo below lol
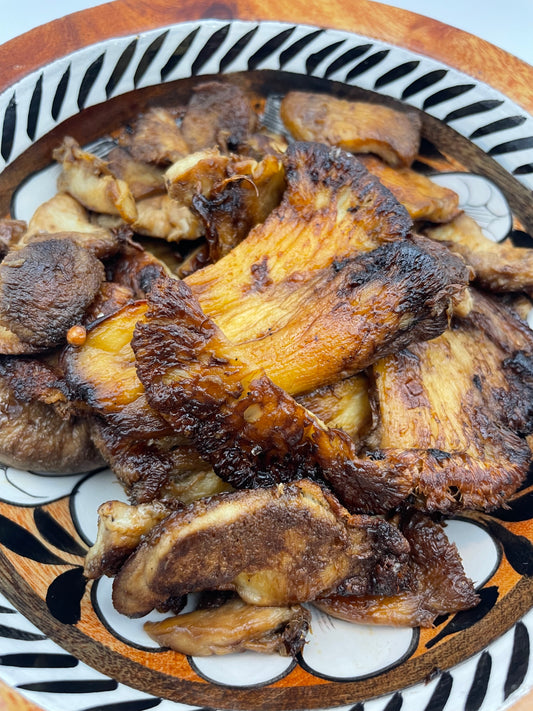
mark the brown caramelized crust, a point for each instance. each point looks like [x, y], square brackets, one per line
[439, 584]
[219, 114]
[332, 209]
[250, 430]
[274, 546]
[37, 430]
[45, 288]
[355, 126]
[422, 198]
[498, 266]
[452, 409]
[234, 627]
[155, 138]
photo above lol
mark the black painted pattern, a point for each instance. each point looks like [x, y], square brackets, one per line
[295, 48]
[55, 534]
[466, 618]
[60, 93]
[439, 698]
[64, 595]
[519, 662]
[178, 54]
[210, 47]
[31, 660]
[451, 92]
[396, 73]
[140, 705]
[395, 704]
[518, 549]
[34, 109]
[14, 633]
[478, 107]
[89, 79]
[478, 689]
[500, 125]
[269, 48]
[121, 67]
[239, 46]
[148, 57]
[366, 64]
[347, 57]
[8, 128]
[517, 144]
[313, 60]
[74, 686]
[523, 169]
[25, 544]
[423, 82]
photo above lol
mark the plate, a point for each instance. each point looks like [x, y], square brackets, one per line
[62, 644]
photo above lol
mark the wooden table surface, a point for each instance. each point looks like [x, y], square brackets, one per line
[478, 57]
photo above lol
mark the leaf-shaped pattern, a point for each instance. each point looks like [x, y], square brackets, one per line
[148, 57]
[518, 549]
[517, 144]
[523, 169]
[8, 128]
[23, 635]
[477, 107]
[500, 125]
[269, 48]
[88, 80]
[77, 686]
[396, 73]
[121, 66]
[238, 47]
[466, 618]
[519, 662]
[55, 534]
[446, 94]
[367, 64]
[39, 661]
[313, 60]
[24, 543]
[60, 92]
[423, 82]
[35, 106]
[439, 698]
[139, 705]
[64, 595]
[297, 47]
[478, 690]
[209, 48]
[346, 58]
[178, 54]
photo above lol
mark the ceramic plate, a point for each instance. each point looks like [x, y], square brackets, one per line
[61, 643]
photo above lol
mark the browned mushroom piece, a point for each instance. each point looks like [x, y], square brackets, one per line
[63, 217]
[498, 266]
[274, 546]
[144, 179]
[234, 627]
[88, 179]
[439, 583]
[219, 114]
[155, 138]
[355, 126]
[11, 232]
[38, 429]
[422, 198]
[45, 288]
